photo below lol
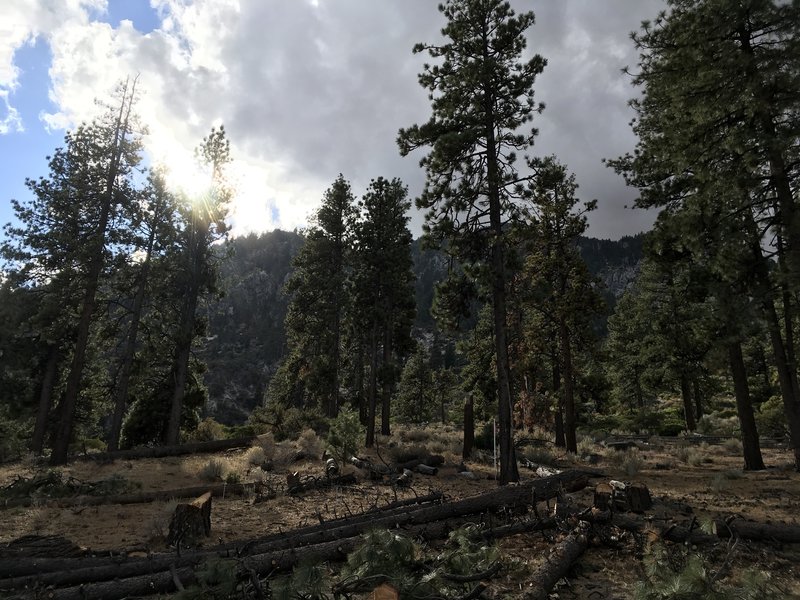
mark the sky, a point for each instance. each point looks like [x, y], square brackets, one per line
[306, 89]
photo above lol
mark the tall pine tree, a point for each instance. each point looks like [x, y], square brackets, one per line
[481, 95]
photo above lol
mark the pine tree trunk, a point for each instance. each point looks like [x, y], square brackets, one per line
[744, 408]
[45, 399]
[791, 406]
[386, 384]
[188, 319]
[180, 371]
[121, 391]
[698, 398]
[569, 396]
[561, 441]
[469, 427]
[373, 388]
[688, 409]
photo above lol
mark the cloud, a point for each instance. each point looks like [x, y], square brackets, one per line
[21, 22]
[308, 89]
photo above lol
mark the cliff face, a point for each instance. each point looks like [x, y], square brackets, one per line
[615, 262]
[246, 339]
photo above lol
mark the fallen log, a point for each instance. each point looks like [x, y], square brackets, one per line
[725, 528]
[326, 535]
[434, 460]
[557, 564]
[219, 490]
[164, 451]
[322, 483]
[23, 569]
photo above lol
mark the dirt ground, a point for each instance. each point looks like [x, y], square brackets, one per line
[711, 484]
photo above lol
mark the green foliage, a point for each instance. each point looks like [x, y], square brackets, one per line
[675, 573]
[480, 83]
[217, 579]
[414, 400]
[14, 436]
[208, 431]
[463, 555]
[771, 419]
[344, 434]
[308, 581]
[311, 372]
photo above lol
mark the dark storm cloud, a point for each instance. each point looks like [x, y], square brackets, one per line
[338, 81]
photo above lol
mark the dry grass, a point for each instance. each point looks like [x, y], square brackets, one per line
[310, 443]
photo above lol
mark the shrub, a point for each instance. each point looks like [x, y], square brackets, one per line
[233, 477]
[401, 454]
[586, 446]
[418, 435]
[214, 470]
[690, 456]
[771, 419]
[13, 437]
[733, 446]
[207, 431]
[255, 456]
[484, 437]
[267, 443]
[344, 434]
[540, 456]
[310, 443]
[632, 462]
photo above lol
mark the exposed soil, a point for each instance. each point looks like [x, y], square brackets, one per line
[716, 486]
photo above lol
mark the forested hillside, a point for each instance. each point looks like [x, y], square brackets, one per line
[247, 339]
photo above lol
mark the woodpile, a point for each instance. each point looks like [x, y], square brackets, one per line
[120, 577]
[55, 568]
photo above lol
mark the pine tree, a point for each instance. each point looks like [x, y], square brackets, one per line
[310, 376]
[481, 94]
[383, 290]
[204, 224]
[720, 80]
[155, 216]
[69, 231]
[557, 280]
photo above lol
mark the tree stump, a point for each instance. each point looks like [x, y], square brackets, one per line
[602, 496]
[638, 496]
[190, 522]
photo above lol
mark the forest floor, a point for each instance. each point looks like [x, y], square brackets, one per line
[704, 481]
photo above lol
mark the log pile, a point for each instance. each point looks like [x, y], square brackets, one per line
[616, 508]
[120, 577]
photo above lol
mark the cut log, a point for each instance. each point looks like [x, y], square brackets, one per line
[426, 470]
[179, 450]
[433, 460]
[557, 565]
[331, 467]
[218, 490]
[32, 566]
[190, 522]
[329, 540]
[318, 484]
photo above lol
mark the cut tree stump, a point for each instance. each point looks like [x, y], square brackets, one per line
[190, 522]
[602, 496]
[638, 497]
